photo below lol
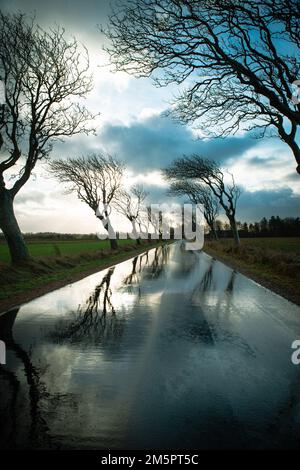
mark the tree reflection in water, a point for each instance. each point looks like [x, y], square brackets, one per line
[132, 280]
[142, 266]
[27, 407]
[221, 329]
[155, 268]
[206, 281]
[96, 321]
[69, 396]
[14, 433]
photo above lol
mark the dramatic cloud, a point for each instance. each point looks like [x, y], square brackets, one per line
[254, 206]
[154, 142]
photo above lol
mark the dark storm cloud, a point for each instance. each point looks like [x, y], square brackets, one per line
[74, 13]
[156, 141]
[254, 206]
[156, 194]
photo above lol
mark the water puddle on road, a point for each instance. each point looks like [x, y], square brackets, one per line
[170, 349]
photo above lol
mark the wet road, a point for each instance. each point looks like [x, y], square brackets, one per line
[169, 350]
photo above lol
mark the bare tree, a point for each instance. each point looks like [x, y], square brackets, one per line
[208, 172]
[130, 204]
[45, 77]
[154, 218]
[239, 59]
[199, 194]
[96, 179]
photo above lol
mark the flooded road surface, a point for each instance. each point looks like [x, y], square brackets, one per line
[169, 350]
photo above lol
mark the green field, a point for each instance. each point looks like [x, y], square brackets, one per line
[280, 244]
[47, 249]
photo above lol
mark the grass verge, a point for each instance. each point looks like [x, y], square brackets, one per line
[275, 268]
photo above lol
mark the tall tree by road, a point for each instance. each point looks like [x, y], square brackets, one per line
[199, 194]
[96, 179]
[130, 204]
[238, 59]
[45, 76]
[201, 170]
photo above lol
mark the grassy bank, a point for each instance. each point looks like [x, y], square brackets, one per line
[273, 262]
[43, 274]
[53, 248]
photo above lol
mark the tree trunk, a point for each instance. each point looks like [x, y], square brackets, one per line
[214, 232]
[136, 235]
[10, 228]
[111, 233]
[296, 151]
[235, 231]
[290, 139]
[113, 243]
[297, 156]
